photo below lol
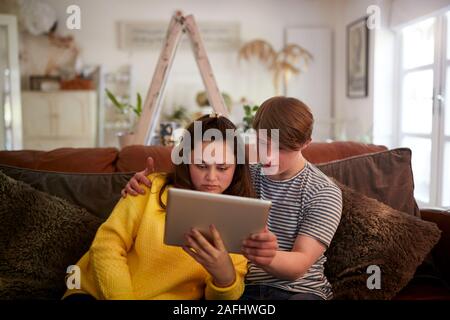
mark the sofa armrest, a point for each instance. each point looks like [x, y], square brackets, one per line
[441, 252]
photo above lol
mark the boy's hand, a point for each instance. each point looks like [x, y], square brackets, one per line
[213, 256]
[140, 177]
[260, 248]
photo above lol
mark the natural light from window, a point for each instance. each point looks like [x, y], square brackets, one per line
[418, 44]
[416, 115]
[446, 173]
[417, 102]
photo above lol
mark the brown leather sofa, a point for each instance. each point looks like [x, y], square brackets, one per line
[133, 158]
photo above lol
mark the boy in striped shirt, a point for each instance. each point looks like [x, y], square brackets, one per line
[305, 213]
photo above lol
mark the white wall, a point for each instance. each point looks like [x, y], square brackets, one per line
[314, 86]
[353, 116]
[384, 81]
[264, 19]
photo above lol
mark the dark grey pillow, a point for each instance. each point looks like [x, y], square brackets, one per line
[96, 192]
[372, 233]
[40, 236]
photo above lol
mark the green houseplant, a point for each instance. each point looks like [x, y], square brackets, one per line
[180, 115]
[124, 108]
[249, 116]
[202, 100]
[132, 112]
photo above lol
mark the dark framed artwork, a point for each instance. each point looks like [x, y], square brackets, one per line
[357, 59]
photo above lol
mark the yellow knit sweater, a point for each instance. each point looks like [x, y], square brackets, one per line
[128, 259]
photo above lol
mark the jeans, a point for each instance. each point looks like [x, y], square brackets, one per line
[262, 292]
[79, 297]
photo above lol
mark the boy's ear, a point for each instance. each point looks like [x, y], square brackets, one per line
[305, 145]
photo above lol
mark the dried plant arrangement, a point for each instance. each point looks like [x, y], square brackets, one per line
[283, 64]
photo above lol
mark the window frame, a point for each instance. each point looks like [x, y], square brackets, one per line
[437, 135]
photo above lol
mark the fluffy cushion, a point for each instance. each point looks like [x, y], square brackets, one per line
[40, 236]
[372, 233]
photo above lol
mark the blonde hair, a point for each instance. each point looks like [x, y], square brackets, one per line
[292, 117]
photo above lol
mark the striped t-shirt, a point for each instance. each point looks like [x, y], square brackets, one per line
[307, 204]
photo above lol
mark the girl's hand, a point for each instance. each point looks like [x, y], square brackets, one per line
[260, 248]
[213, 257]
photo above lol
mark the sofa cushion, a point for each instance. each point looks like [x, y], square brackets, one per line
[321, 152]
[133, 158]
[425, 289]
[96, 192]
[386, 176]
[441, 251]
[40, 236]
[63, 159]
[371, 233]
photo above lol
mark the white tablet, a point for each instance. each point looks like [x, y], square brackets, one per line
[234, 217]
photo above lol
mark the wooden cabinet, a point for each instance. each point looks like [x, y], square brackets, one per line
[59, 119]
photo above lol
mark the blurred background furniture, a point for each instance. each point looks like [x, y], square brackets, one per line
[59, 119]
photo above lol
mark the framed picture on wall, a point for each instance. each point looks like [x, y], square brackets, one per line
[357, 59]
[144, 35]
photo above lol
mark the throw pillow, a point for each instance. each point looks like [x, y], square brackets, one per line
[96, 192]
[386, 176]
[372, 233]
[40, 236]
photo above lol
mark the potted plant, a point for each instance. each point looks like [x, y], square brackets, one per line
[249, 134]
[249, 116]
[132, 112]
[180, 115]
[203, 102]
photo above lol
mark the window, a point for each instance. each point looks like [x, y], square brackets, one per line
[424, 113]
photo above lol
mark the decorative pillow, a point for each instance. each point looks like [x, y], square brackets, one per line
[40, 236]
[96, 192]
[372, 233]
[386, 176]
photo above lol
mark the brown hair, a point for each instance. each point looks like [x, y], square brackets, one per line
[292, 117]
[241, 184]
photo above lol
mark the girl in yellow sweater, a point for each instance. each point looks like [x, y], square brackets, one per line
[128, 259]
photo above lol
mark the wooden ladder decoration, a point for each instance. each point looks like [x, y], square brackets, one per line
[179, 24]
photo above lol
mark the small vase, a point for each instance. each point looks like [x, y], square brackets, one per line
[125, 139]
